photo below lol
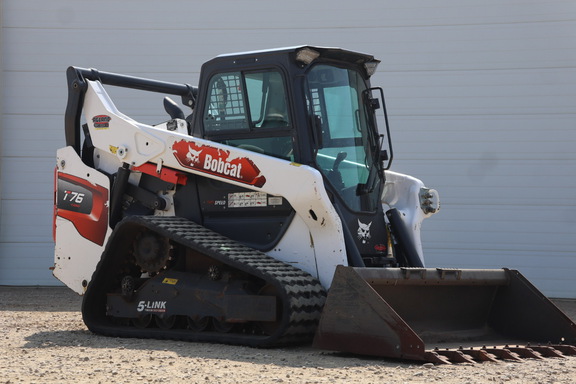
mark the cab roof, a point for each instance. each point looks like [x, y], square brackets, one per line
[324, 52]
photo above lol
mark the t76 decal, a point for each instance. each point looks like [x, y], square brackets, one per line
[84, 204]
[218, 162]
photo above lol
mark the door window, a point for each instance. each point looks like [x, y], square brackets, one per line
[252, 108]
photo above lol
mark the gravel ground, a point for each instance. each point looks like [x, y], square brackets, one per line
[45, 341]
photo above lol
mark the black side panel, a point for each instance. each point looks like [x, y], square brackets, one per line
[187, 201]
[252, 218]
[405, 246]
[366, 237]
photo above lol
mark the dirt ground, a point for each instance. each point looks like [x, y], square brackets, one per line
[43, 340]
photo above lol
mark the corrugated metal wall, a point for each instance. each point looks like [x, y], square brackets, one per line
[481, 96]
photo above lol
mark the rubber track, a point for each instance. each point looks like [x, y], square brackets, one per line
[302, 297]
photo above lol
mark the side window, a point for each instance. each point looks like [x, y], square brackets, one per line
[225, 109]
[254, 103]
[256, 97]
[267, 97]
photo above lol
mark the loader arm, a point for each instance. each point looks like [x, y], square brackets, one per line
[77, 85]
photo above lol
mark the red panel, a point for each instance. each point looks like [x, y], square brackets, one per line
[93, 224]
[167, 174]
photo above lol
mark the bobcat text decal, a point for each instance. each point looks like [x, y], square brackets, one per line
[217, 162]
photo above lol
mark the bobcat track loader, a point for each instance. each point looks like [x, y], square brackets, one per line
[268, 216]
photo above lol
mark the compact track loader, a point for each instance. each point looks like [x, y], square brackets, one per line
[268, 216]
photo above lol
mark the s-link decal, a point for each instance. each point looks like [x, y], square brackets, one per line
[151, 306]
[218, 162]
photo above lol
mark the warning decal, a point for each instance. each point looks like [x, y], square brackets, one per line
[247, 199]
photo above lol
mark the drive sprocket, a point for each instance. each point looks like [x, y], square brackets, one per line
[151, 252]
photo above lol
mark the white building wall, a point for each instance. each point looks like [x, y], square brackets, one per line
[481, 97]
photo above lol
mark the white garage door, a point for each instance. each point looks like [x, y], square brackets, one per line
[481, 96]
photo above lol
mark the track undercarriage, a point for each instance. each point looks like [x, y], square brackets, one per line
[199, 286]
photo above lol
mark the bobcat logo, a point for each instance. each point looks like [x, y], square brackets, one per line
[364, 231]
[193, 156]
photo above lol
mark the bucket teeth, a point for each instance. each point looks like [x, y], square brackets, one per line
[436, 358]
[525, 352]
[567, 350]
[548, 351]
[498, 353]
[479, 355]
[456, 356]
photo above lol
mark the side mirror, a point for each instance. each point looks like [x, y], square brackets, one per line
[173, 109]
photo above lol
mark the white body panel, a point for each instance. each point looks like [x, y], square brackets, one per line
[297, 248]
[75, 257]
[406, 193]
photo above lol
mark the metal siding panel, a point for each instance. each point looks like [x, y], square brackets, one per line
[31, 178]
[33, 135]
[34, 93]
[513, 137]
[481, 95]
[254, 14]
[482, 92]
[502, 228]
[27, 264]
[26, 221]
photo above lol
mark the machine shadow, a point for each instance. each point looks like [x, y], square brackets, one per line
[293, 357]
